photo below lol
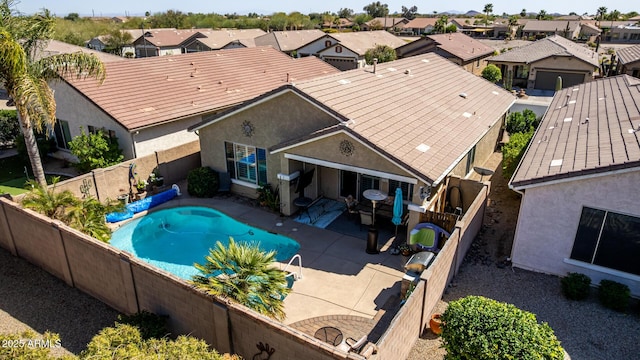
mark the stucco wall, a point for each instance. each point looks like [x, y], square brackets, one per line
[484, 148]
[314, 47]
[549, 217]
[282, 118]
[165, 136]
[80, 112]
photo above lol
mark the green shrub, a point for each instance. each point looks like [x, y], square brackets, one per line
[45, 146]
[520, 122]
[576, 286]
[478, 328]
[614, 295]
[492, 73]
[9, 127]
[513, 151]
[269, 197]
[383, 53]
[95, 151]
[203, 182]
[27, 345]
[149, 324]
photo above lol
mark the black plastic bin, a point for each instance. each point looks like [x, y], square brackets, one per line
[372, 241]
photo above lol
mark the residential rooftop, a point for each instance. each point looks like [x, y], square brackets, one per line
[55, 47]
[588, 129]
[629, 55]
[461, 45]
[288, 40]
[217, 39]
[361, 41]
[550, 46]
[169, 88]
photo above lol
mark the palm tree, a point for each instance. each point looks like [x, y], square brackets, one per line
[523, 13]
[88, 216]
[243, 273]
[47, 201]
[602, 11]
[26, 79]
[542, 15]
[488, 9]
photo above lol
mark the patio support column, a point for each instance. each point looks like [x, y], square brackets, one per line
[285, 189]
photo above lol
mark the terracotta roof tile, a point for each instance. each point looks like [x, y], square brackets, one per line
[420, 22]
[428, 110]
[361, 41]
[168, 88]
[577, 146]
[550, 25]
[217, 39]
[288, 40]
[171, 37]
[55, 47]
[461, 45]
[550, 46]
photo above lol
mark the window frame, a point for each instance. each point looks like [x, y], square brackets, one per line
[257, 168]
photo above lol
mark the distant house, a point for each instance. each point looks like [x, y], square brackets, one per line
[569, 29]
[538, 65]
[379, 127]
[588, 31]
[120, 19]
[459, 48]
[342, 23]
[160, 42]
[149, 103]
[629, 61]
[384, 23]
[579, 183]
[419, 26]
[99, 43]
[289, 41]
[55, 47]
[223, 39]
[623, 34]
[347, 49]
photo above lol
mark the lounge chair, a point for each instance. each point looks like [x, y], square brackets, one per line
[351, 344]
[366, 218]
[425, 236]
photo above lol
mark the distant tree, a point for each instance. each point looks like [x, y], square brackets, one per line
[441, 24]
[296, 20]
[523, 13]
[629, 15]
[492, 73]
[488, 9]
[451, 29]
[169, 19]
[573, 13]
[345, 13]
[542, 15]
[377, 9]
[279, 21]
[614, 15]
[361, 19]
[72, 17]
[376, 25]
[409, 13]
[600, 14]
[513, 23]
[328, 18]
[116, 41]
[383, 53]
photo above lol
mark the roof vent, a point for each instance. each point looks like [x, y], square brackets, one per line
[568, 119]
[556, 162]
[466, 114]
[463, 95]
[375, 63]
[408, 71]
[423, 147]
[344, 82]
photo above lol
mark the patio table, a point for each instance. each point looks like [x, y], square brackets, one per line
[374, 195]
[329, 334]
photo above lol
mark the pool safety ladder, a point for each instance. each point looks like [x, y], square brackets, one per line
[296, 276]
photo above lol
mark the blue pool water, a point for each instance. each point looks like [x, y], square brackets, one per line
[174, 239]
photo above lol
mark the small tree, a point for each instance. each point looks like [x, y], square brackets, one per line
[478, 328]
[520, 122]
[492, 73]
[95, 151]
[513, 151]
[9, 127]
[383, 53]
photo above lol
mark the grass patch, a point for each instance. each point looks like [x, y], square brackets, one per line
[12, 178]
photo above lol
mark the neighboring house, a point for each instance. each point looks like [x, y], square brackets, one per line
[623, 34]
[149, 103]
[99, 43]
[542, 28]
[419, 26]
[629, 61]
[459, 48]
[161, 42]
[579, 183]
[224, 39]
[349, 50]
[384, 23]
[397, 124]
[537, 65]
[289, 41]
[588, 31]
[55, 47]
[342, 23]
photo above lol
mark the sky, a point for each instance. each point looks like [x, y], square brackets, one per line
[139, 7]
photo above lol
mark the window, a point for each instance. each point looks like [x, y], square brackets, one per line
[471, 157]
[327, 43]
[338, 49]
[522, 72]
[407, 189]
[63, 135]
[246, 163]
[608, 239]
[92, 129]
[369, 182]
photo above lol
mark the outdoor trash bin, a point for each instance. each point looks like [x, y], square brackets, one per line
[419, 261]
[372, 241]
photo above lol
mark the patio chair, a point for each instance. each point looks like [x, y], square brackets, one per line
[425, 236]
[224, 182]
[366, 218]
[351, 344]
[352, 205]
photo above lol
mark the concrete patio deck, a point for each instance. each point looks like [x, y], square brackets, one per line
[341, 284]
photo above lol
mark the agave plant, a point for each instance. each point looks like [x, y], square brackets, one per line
[47, 201]
[243, 273]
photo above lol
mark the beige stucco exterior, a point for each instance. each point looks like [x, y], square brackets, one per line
[80, 112]
[563, 64]
[549, 217]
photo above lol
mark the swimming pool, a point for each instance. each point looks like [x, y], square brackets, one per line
[174, 239]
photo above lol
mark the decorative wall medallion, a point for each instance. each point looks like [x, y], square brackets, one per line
[346, 148]
[247, 128]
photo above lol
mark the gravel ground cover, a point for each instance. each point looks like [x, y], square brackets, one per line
[585, 329]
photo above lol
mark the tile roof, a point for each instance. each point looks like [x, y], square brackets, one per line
[629, 55]
[55, 47]
[217, 39]
[567, 145]
[361, 41]
[550, 25]
[388, 21]
[420, 23]
[171, 37]
[168, 88]
[429, 125]
[288, 40]
[550, 46]
[461, 45]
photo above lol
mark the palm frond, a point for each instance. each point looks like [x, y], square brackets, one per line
[78, 64]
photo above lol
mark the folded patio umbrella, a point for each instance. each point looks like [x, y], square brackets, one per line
[397, 209]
